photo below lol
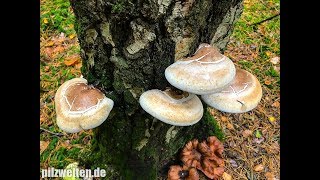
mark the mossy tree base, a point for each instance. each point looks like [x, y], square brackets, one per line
[125, 47]
[149, 157]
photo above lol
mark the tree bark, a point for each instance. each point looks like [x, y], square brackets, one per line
[125, 47]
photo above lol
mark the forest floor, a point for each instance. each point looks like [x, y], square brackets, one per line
[252, 149]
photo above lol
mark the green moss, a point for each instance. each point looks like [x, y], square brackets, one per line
[128, 97]
[215, 129]
[118, 6]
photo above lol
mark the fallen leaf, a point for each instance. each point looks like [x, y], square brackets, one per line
[46, 68]
[258, 167]
[45, 20]
[272, 119]
[42, 119]
[233, 163]
[258, 134]
[263, 31]
[58, 49]
[48, 51]
[258, 140]
[246, 133]
[72, 60]
[230, 126]
[268, 53]
[224, 119]
[49, 44]
[267, 82]
[276, 104]
[71, 36]
[66, 144]
[226, 176]
[43, 145]
[275, 60]
[269, 176]
[78, 65]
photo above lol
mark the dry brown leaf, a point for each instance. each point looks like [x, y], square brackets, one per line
[72, 60]
[246, 133]
[42, 119]
[224, 119]
[269, 176]
[230, 126]
[226, 176]
[258, 140]
[48, 51]
[46, 68]
[267, 82]
[275, 60]
[276, 104]
[78, 65]
[58, 49]
[43, 145]
[258, 167]
[233, 163]
[66, 144]
[49, 44]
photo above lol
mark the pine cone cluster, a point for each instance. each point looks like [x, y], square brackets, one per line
[205, 156]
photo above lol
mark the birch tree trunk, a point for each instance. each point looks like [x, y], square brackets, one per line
[126, 46]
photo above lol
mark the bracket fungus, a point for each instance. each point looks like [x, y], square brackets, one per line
[80, 106]
[206, 72]
[205, 156]
[177, 172]
[171, 107]
[243, 94]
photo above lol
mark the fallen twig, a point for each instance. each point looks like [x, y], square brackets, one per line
[269, 18]
[56, 134]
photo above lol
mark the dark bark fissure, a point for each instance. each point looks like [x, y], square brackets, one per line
[126, 46]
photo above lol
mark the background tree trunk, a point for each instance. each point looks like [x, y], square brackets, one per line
[125, 47]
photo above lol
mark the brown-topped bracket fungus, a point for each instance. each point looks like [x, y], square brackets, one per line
[206, 72]
[172, 107]
[177, 172]
[205, 156]
[243, 94]
[80, 106]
